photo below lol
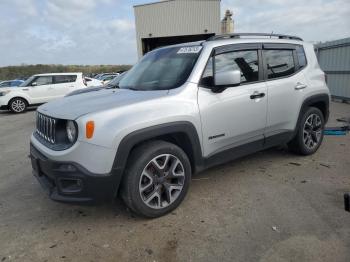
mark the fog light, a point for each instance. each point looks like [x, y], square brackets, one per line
[70, 185]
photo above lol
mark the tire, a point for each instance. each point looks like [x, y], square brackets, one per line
[149, 187]
[309, 134]
[18, 105]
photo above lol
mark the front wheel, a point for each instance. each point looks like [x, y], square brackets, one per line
[18, 105]
[309, 133]
[156, 179]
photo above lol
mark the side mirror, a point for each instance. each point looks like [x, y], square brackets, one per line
[33, 84]
[228, 78]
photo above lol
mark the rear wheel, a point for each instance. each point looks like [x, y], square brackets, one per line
[309, 134]
[156, 179]
[18, 105]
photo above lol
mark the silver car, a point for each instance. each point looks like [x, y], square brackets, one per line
[180, 110]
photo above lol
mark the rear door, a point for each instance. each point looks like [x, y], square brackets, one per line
[286, 87]
[237, 115]
[63, 84]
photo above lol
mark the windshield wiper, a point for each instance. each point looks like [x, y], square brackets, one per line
[133, 89]
[109, 86]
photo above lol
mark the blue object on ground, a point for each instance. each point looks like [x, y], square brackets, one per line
[337, 131]
[334, 132]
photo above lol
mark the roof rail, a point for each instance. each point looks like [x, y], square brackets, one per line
[239, 35]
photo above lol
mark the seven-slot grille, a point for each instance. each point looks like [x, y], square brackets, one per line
[46, 127]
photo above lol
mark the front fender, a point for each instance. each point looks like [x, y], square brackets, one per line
[14, 94]
[145, 134]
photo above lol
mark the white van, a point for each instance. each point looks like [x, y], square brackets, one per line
[39, 89]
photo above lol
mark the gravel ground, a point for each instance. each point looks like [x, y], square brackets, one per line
[270, 206]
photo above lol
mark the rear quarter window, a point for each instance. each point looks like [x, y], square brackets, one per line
[301, 56]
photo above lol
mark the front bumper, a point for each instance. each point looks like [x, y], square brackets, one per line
[3, 104]
[70, 182]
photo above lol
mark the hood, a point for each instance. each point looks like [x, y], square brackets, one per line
[85, 90]
[75, 106]
[10, 88]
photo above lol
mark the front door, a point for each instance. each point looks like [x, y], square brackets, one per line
[237, 115]
[39, 89]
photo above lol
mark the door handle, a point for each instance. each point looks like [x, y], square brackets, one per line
[300, 86]
[50, 88]
[256, 95]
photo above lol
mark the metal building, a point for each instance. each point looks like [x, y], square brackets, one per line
[334, 59]
[175, 21]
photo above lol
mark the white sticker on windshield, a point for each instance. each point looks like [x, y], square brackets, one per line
[189, 50]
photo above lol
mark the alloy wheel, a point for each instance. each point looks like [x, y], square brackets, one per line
[312, 132]
[162, 181]
[18, 105]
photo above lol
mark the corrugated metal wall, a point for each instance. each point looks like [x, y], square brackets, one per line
[177, 17]
[334, 59]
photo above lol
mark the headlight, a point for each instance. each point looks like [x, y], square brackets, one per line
[3, 93]
[71, 131]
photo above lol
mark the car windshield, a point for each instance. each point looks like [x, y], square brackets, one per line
[4, 84]
[162, 69]
[27, 82]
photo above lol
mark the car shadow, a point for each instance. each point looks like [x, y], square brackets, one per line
[8, 113]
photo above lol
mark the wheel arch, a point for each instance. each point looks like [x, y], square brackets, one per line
[320, 101]
[24, 98]
[182, 134]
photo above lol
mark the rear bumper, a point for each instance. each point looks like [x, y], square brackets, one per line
[69, 182]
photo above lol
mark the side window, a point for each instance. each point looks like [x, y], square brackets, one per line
[301, 56]
[245, 61]
[43, 80]
[280, 63]
[65, 79]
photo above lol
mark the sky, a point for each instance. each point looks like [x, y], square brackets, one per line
[103, 31]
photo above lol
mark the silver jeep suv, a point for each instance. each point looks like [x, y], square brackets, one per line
[180, 110]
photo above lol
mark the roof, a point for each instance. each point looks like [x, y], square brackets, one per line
[58, 74]
[222, 42]
[163, 1]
